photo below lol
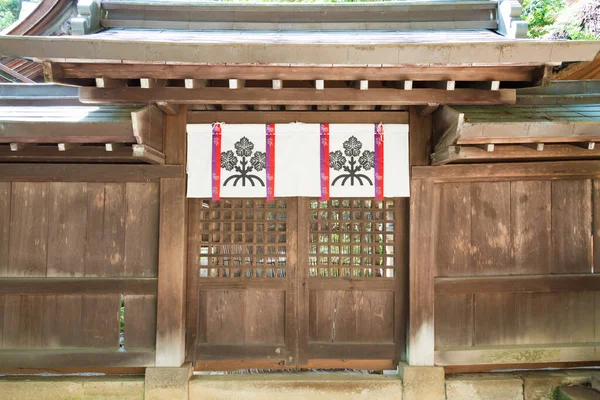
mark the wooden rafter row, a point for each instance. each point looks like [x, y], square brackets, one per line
[309, 117]
[516, 152]
[519, 73]
[295, 96]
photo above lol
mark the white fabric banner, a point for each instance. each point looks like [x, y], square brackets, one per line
[297, 159]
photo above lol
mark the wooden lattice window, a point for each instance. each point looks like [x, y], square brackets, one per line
[241, 238]
[351, 238]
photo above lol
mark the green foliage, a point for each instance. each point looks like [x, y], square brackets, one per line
[540, 15]
[9, 12]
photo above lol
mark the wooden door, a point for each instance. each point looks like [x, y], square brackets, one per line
[295, 283]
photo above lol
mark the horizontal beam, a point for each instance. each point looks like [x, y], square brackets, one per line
[509, 172]
[456, 154]
[29, 152]
[76, 358]
[518, 284]
[359, 351]
[262, 72]
[241, 351]
[83, 286]
[242, 283]
[87, 172]
[366, 284]
[295, 96]
[47, 131]
[525, 354]
[307, 117]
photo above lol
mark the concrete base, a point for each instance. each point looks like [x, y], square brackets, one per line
[167, 383]
[70, 388]
[484, 387]
[422, 383]
[297, 386]
[543, 385]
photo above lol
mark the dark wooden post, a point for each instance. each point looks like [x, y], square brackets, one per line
[170, 322]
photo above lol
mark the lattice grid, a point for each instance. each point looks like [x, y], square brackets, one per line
[351, 239]
[240, 238]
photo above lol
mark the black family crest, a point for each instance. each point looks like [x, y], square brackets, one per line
[356, 162]
[245, 164]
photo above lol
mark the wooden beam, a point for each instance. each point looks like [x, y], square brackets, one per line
[76, 358]
[419, 136]
[428, 109]
[500, 172]
[360, 351]
[168, 108]
[82, 286]
[81, 154]
[296, 96]
[308, 117]
[66, 132]
[172, 253]
[87, 172]
[479, 153]
[518, 284]
[517, 354]
[148, 125]
[15, 74]
[523, 73]
[148, 154]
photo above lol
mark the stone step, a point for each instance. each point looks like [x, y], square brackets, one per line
[577, 393]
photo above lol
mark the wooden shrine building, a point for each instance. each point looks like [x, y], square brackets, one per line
[490, 263]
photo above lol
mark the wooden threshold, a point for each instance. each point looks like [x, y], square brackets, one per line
[246, 351]
[473, 154]
[87, 172]
[307, 117]
[82, 286]
[315, 283]
[517, 354]
[234, 365]
[517, 73]
[76, 358]
[588, 169]
[294, 96]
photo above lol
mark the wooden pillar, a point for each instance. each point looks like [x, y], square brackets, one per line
[172, 265]
[423, 207]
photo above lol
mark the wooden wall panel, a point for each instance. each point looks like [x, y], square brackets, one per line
[244, 316]
[490, 228]
[141, 230]
[22, 322]
[28, 229]
[537, 318]
[494, 319]
[454, 320]
[5, 197]
[113, 232]
[338, 316]
[61, 324]
[100, 321]
[453, 247]
[572, 226]
[531, 227]
[67, 217]
[140, 321]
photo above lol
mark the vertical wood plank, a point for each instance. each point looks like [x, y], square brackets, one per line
[420, 131]
[495, 322]
[571, 226]
[490, 228]
[67, 217]
[94, 255]
[140, 321]
[454, 241]
[423, 220]
[5, 196]
[595, 224]
[453, 320]
[536, 318]
[28, 229]
[194, 327]
[141, 230]
[100, 321]
[22, 322]
[113, 236]
[2, 305]
[61, 326]
[575, 315]
[531, 227]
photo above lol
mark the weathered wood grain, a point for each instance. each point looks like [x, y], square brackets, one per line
[494, 319]
[531, 227]
[454, 320]
[453, 247]
[572, 226]
[87, 172]
[5, 207]
[140, 321]
[420, 137]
